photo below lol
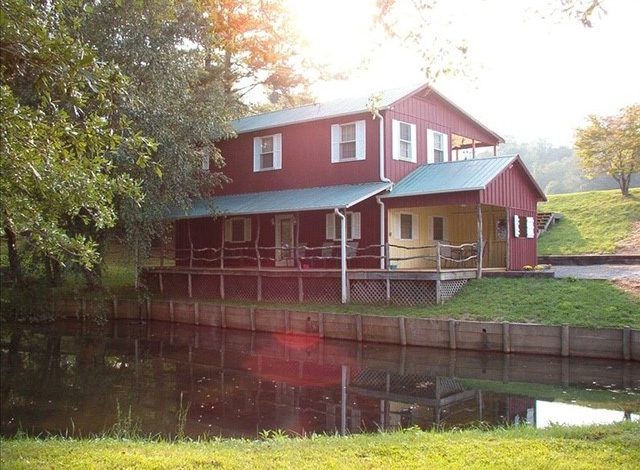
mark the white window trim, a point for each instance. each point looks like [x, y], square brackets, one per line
[395, 137]
[330, 227]
[414, 226]
[228, 230]
[445, 227]
[431, 158]
[277, 153]
[336, 140]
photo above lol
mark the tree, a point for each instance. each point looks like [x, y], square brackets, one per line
[58, 132]
[611, 145]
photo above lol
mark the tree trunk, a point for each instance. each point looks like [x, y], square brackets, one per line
[14, 258]
[623, 182]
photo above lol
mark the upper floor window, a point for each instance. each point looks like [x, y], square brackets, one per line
[267, 152]
[437, 147]
[404, 141]
[206, 159]
[348, 142]
[334, 227]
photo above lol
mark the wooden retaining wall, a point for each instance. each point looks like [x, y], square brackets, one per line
[565, 341]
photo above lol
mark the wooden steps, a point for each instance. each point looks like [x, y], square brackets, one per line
[545, 220]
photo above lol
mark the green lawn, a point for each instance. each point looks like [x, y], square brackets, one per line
[594, 447]
[593, 222]
[577, 302]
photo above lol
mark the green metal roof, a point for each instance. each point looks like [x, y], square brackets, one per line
[449, 177]
[289, 200]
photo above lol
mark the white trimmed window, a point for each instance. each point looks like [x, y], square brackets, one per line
[524, 227]
[437, 147]
[333, 228]
[406, 226]
[267, 153]
[404, 141]
[206, 159]
[438, 228]
[348, 142]
[237, 229]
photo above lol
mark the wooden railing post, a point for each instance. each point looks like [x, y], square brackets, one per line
[191, 255]
[386, 256]
[438, 260]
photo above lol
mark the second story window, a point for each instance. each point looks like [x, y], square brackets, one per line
[348, 142]
[437, 147]
[404, 141]
[267, 153]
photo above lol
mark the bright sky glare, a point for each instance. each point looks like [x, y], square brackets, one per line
[530, 77]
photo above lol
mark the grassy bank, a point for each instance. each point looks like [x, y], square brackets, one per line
[576, 302]
[614, 446]
[593, 222]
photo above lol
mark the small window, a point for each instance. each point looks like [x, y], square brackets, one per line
[406, 227]
[438, 147]
[438, 229]
[237, 229]
[205, 161]
[267, 153]
[404, 141]
[348, 142]
[334, 228]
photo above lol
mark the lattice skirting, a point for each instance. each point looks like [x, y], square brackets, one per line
[449, 289]
[406, 292]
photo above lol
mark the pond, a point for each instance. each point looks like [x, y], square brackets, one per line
[76, 378]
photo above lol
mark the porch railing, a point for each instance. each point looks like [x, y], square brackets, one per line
[442, 255]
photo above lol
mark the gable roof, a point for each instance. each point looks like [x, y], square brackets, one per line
[289, 200]
[340, 107]
[450, 177]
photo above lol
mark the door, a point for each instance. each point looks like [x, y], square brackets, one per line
[284, 240]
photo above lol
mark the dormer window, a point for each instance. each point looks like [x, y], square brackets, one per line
[267, 153]
[348, 142]
[404, 141]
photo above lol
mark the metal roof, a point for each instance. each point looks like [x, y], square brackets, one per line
[449, 177]
[288, 200]
[313, 112]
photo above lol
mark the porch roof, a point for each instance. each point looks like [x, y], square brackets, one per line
[451, 177]
[288, 200]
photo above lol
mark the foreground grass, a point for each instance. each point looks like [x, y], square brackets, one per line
[576, 302]
[614, 446]
[593, 222]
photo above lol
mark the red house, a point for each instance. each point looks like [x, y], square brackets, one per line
[363, 199]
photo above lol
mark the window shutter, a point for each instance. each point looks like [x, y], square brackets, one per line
[247, 229]
[395, 138]
[445, 147]
[414, 227]
[361, 144]
[330, 226]
[430, 155]
[413, 144]
[530, 228]
[277, 151]
[516, 226]
[355, 225]
[257, 142]
[227, 230]
[335, 145]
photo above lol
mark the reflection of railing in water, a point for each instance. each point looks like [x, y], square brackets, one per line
[303, 256]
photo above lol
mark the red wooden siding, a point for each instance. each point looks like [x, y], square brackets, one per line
[512, 188]
[306, 158]
[444, 199]
[429, 112]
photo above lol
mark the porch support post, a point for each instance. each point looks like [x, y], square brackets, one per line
[473, 148]
[494, 150]
[480, 241]
[343, 253]
[190, 243]
[259, 276]
[296, 227]
[224, 223]
[383, 251]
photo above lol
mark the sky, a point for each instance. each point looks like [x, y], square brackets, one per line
[531, 74]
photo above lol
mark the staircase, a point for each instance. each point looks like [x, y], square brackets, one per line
[545, 220]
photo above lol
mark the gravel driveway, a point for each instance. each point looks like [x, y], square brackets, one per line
[600, 271]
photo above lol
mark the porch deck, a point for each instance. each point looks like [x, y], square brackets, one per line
[322, 285]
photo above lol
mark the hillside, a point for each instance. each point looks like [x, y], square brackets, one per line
[592, 222]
